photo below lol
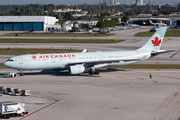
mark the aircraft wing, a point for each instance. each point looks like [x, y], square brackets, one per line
[92, 63]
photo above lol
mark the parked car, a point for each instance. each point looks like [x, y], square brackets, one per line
[90, 31]
[30, 30]
[153, 29]
[70, 31]
[108, 30]
[104, 31]
[96, 29]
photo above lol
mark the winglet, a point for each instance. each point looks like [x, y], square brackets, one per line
[85, 50]
[155, 42]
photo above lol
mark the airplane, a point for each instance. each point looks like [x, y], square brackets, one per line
[157, 24]
[134, 26]
[87, 62]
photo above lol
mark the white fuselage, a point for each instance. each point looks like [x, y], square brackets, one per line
[77, 63]
[158, 24]
[62, 60]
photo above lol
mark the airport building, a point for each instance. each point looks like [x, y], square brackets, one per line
[67, 26]
[25, 23]
[108, 2]
[89, 22]
[139, 2]
[145, 20]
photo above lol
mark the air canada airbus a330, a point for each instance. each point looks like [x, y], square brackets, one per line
[87, 62]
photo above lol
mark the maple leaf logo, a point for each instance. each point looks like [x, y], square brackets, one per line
[34, 57]
[156, 41]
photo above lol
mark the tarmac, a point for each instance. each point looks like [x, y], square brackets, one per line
[115, 94]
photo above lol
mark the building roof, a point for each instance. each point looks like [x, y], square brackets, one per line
[141, 19]
[24, 18]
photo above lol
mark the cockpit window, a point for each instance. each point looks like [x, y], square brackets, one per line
[11, 60]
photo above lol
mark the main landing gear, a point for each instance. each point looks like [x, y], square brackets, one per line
[94, 73]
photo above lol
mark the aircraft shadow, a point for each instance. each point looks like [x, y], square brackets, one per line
[65, 73]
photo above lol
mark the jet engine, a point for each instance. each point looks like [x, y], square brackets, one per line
[77, 69]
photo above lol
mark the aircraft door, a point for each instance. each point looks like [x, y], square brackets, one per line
[101, 57]
[138, 55]
[20, 60]
[53, 60]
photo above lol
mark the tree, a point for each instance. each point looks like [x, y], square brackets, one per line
[85, 26]
[36, 9]
[75, 22]
[115, 11]
[165, 12]
[68, 16]
[105, 14]
[115, 20]
[130, 12]
[83, 18]
[100, 24]
[101, 19]
[125, 19]
[61, 21]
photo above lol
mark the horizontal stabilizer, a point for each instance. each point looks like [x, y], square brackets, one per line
[154, 53]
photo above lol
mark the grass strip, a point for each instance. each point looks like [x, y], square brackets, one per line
[148, 66]
[13, 51]
[2, 66]
[91, 41]
[169, 33]
[58, 34]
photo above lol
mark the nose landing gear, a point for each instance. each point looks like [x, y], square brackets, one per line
[21, 72]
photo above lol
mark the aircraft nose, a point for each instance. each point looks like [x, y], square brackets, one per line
[5, 64]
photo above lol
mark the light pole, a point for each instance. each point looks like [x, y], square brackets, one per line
[150, 5]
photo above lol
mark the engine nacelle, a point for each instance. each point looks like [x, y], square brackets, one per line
[77, 69]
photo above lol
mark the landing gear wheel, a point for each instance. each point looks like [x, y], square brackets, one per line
[21, 74]
[94, 73]
[91, 72]
[97, 73]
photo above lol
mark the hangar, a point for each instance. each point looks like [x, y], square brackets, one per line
[25, 23]
[145, 21]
